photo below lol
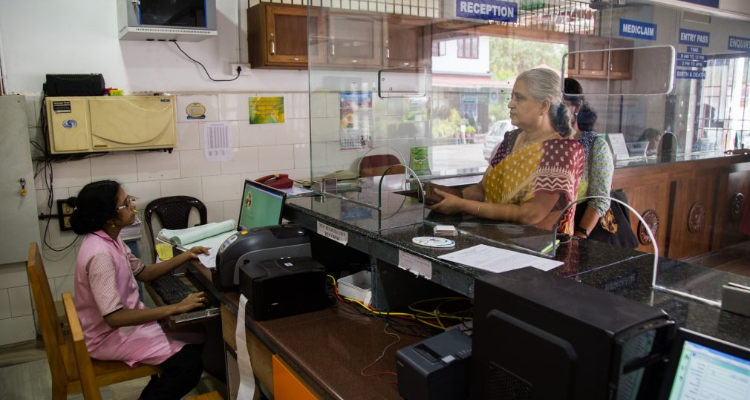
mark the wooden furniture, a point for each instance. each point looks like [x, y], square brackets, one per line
[355, 39]
[62, 364]
[173, 212]
[277, 36]
[593, 59]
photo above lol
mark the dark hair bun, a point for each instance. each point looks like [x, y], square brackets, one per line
[95, 205]
[72, 202]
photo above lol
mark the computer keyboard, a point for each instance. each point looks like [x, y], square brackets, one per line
[171, 289]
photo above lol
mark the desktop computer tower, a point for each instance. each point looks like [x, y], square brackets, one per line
[541, 336]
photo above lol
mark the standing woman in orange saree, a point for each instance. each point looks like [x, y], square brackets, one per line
[535, 171]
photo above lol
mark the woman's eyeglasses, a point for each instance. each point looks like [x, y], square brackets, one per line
[129, 202]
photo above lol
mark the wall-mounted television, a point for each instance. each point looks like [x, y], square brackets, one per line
[183, 21]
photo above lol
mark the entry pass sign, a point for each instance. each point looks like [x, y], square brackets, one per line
[487, 10]
[637, 29]
[694, 38]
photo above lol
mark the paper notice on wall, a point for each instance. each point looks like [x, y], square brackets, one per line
[217, 141]
[355, 120]
[247, 379]
[266, 110]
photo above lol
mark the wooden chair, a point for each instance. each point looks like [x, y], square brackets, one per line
[62, 363]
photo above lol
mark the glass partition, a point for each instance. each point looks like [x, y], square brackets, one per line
[427, 84]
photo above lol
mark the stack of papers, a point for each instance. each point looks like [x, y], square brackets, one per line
[210, 236]
[493, 259]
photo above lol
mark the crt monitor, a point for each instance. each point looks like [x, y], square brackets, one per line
[702, 367]
[261, 206]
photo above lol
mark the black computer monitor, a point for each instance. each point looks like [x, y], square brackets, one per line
[261, 206]
[702, 367]
[539, 336]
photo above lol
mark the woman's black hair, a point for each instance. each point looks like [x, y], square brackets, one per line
[573, 91]
[95, 205]
[586, 118]
[561, 120]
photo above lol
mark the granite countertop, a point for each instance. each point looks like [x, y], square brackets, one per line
[623, 271]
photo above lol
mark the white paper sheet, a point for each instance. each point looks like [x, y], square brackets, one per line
[493, 259]
[213, 243]
[247, 380]
[217, 141]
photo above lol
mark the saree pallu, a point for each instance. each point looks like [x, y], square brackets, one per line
[551, 167]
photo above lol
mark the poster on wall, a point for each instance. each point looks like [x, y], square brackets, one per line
[355, 120]
[416, 110]
[266, 110]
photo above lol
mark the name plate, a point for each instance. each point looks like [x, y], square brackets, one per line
[332, 233]
[414, 264]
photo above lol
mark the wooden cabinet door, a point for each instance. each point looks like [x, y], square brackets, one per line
[405, 43]
[594, 63]
[278, 38]
[621, 61]
[573, 58]
[355, 39]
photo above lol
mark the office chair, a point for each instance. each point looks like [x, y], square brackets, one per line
[173, 212]
[62, 363]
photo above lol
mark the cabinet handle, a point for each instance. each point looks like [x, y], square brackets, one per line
[273, 47]
[387, 53]
[583, 64]
[333, 49]
[611, 67]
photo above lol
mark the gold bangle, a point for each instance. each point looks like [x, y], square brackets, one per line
[478, 207]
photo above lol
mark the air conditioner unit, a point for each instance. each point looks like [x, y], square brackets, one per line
[116, 123]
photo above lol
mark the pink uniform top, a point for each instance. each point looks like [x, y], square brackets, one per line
[105, 283]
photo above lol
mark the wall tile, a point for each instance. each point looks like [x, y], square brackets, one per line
[4, 304]
[294, 131]
[20, 301]
[301, 173]
[157, 166]
[215, 211]
[302, 155]
[16, 330]
[233, 134]
[234, 106]
[231, 209]
[244, 159]
[117, 167]
[324, 129]
[337, 156]
[64, 284]
[255, 135]
[318, 105]
[188, 136]
[301, 103]
[59, 264]
[55, 237]
[333, 105]
[221, 188]
[43, 194]
[182, 187]
[33, 107]
[71, 173]
[145, 191]
[13, 274]
[319, 157]
[276, 157]
[194, 163]
[210, 102]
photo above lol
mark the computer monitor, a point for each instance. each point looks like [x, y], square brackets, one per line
[702, 367]
[261, 206]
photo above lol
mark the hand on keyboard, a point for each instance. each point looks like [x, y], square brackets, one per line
[192, 301]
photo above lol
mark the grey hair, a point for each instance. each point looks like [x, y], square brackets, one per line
[544, 84]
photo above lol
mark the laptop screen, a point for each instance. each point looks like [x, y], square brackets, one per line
[261, 206]
[705, 368]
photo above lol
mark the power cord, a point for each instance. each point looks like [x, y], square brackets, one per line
[204, 67]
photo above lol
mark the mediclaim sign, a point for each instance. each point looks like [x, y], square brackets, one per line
[637, 29]
[487, 10]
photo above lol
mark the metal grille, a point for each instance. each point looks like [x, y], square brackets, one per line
[558, 16]
[504, 385]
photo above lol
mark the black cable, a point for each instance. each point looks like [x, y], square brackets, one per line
[204, 67]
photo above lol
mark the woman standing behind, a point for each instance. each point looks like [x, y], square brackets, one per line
[534, 173]
[116, 324]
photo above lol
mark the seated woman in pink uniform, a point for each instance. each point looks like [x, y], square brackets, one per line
[116, 324]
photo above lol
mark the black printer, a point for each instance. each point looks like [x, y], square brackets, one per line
[282, 287]
[254, 245]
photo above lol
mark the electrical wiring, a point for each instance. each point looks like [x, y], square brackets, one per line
[382, 354]
[204, 67]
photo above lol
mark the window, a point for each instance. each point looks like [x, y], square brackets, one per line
[438, 49]
[468, 47]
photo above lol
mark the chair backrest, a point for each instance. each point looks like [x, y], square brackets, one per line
[375, 165]
[49, 322]
[89, 386]
[173, 212]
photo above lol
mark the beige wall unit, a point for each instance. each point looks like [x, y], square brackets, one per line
[118, 123]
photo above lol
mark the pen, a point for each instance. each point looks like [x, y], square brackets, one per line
[549, 247]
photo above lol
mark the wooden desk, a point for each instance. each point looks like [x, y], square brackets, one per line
[327, 349]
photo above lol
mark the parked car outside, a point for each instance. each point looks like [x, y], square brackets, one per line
[495, 136]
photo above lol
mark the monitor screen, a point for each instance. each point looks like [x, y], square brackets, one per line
[261, 206]
[705, 370]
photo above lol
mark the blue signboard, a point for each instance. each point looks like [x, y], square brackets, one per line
[691, 63]
[689, 56]
[739, 44]
[707, 3]
[689, 74]
[637, 29]
[696, 50]
[487, 10]
[694, 38]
